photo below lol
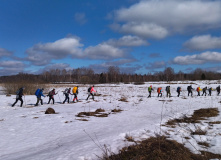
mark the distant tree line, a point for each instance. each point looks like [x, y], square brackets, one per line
[113, 75]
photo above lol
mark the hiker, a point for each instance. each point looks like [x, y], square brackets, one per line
[178, 91]
[218, 90]
[198, 89]
[75, 92]
[51, 95]
[19, 95]
[66, 93]
[91, 92]
[168, 91]
[204, 91]
[189, 89]
[150, 89]
[159, 91]
[39, 93]
[210, 91]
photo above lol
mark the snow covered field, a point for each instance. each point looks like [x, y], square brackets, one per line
[29, 134]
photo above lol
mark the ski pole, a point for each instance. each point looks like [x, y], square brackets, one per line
[25, 100]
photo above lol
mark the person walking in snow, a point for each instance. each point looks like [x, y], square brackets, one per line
[66, 93]
[159, 91]
[75, 92]
[189, 89]
[39, 94]
[19, 95]
[91, 92]
[51, 96]
[204, 91]
[168, 91]
[210, 91]
[218, 90]
[198, 89]
[150, 89]
[178, 91]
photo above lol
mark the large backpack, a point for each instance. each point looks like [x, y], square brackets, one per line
[74, 90]
[37, 92]
[18, 91]
[198, 89]
[158, 90]
[178, 89]
[167, 88]
[89, 89]
[50, 93]
[66, 91]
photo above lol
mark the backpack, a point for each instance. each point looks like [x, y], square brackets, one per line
[189, 88]
[66, 91]
[18, 91]
[37, 92]
[167, 88]
[74, 90]
[89, 89]
[149, 89]
[158, 90]
[50, 93]
[198, 89]
[178, 89]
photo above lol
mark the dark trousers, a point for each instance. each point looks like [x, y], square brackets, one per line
[190, 92]
[203, 93]
[168, 94]
[149, 94]
[66, 98]
[198, 94]
[218, 92]
[20, 99]
[90, 94]
[178, 93]
[160, 94]
[51, 98]
[39, 99]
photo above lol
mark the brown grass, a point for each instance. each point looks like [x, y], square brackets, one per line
[116, 110]
[123, 99]
[97, 113]
[198, 115]
[204, 144]
[155, 148]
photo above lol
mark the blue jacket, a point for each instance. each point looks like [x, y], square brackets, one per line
[40, 94]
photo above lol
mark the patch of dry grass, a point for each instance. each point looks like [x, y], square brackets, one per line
[155, 148]
[123, 99]
[197, 116]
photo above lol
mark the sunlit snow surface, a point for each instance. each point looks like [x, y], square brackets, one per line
[26, 133]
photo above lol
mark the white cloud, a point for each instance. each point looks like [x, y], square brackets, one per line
[163, 17]
[12, 64]
[206, 57]
[128, 41]
[4, 52]
[204, 42]
[11, 67]
[146, 30]
[103, 51]
[41, 54]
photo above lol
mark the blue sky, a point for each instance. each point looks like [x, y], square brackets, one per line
[138, 36]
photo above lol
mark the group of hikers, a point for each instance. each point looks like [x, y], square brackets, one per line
[189, 89]
[91, 91]
[39, 94]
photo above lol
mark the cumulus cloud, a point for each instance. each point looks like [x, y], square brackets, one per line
[203, 42]
[206, 57]
[4, 52]
[11, 67]
[128, 41]
[157, 19]
[42, 54]
[80, 18]
[104, 51]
